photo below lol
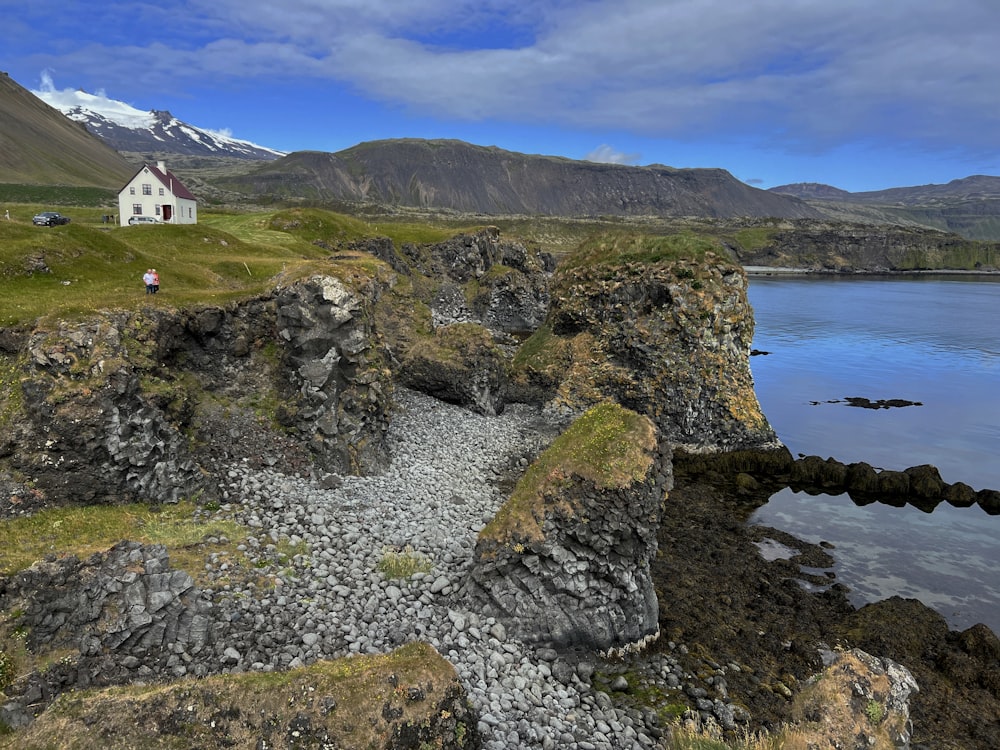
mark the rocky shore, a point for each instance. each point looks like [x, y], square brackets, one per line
[445, 481]
[304, 416]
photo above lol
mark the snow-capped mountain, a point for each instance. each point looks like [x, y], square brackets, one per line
[126, 128]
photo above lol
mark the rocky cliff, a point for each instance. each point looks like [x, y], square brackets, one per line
[666, 337]
[138, 406]
[566, 561]
[634, 348]
[844, 247]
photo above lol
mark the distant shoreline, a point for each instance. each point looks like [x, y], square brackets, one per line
[790, 271]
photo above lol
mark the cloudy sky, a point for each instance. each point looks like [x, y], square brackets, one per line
[859, 94]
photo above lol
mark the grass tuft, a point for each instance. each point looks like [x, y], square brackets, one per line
[607, 445]
[404, 563]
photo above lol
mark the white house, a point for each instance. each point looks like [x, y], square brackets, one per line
[156, 192]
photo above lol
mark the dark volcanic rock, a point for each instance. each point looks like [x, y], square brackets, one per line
[645, 334]
[719, 596]
[462, 365]
[574, 572]
[110, 405]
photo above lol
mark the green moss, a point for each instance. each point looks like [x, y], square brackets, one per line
[542, 351]
[451, 345]
[608, 445]
[614, 249]
[83, 531]
[755, 238]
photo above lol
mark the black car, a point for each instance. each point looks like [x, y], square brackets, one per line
[49, 219]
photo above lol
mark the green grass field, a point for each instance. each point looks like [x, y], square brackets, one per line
[71, 271]
[75, 270]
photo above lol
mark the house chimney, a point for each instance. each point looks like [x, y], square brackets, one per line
[162, 166]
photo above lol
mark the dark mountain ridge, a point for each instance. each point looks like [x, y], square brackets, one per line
[969, 206]
[161, 132]
[974, 187]
[40, 146]
[454, 175]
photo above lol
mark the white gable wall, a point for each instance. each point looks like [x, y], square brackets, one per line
[146, 195]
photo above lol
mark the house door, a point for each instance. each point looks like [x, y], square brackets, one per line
[168, 212]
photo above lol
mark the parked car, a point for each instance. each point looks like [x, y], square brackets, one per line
[133, 220]
[49, 219]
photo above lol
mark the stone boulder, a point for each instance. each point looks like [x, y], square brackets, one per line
[857, 696]
[459, 364]
[565, 562]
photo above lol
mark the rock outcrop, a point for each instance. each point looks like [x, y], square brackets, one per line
[843, 247]
[858, 697]
[119, 616]
[409, 699]
[128, 406]
[566, 561]
[668, 338]
[480, 292]
[757, 474]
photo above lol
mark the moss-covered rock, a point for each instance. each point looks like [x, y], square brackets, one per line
[460, 364]
[405, 700]
[566, 560]
[663, 329]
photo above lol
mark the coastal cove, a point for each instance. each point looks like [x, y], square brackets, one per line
[928, 339]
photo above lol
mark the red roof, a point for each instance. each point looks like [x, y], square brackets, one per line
[169, 180]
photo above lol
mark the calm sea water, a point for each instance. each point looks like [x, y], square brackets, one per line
[935, 340]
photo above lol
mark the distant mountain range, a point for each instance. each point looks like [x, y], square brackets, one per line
[105, 140]
[969, 206]
[458, 176]
[128, 129]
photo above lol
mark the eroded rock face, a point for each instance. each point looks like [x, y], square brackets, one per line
[670, 340]
[461, 364]
[110, 405]
[90, 432]
[479, 278]
[585, 580]
[120, 615]
[484, 291]
[337, 366]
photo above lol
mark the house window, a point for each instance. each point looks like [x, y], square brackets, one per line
[161, 191]
[131, 190]
[147, 189]
[137, 209]
[157, 209]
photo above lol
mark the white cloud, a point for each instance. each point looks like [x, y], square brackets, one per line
[806, 74]
[605, 154]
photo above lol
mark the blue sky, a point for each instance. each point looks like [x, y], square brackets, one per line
[859, 94]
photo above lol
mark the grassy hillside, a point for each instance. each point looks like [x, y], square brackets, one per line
[73, 270]
[39, 145]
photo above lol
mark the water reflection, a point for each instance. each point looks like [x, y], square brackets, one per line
[929, 340]
[946, 559]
